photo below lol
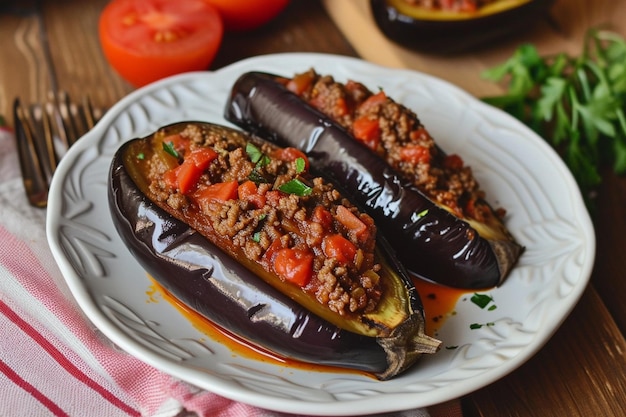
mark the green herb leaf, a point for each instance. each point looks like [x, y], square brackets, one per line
[481, 300]
[577, 103]
[300, 165]
[257, 177]
[297, 187]
[475, 326]
[260, 160]
[256, 156]
[169, 148]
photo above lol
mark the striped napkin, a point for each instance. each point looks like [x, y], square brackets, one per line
[54, 362]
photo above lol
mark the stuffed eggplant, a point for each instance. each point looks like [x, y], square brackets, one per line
[453, 27]
[238, 230]
[443, 235]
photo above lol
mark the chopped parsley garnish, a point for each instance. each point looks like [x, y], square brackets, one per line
[577, 103]
[475, 326]
[169, 148]
[256, 177]
[296, 187]
[300, 165]
[483, 300]
[256, 156]
[259, 159]
[141, 156]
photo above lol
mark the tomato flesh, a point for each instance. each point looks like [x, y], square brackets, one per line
[146, 40]
[244, 15]
[294, 265]
[340, 248]
[367, 131]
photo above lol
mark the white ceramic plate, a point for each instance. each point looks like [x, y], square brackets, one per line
[516, 167]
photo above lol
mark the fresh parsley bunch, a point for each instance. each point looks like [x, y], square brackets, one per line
[576, 103]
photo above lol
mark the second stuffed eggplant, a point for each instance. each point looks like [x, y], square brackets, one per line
[433, 238]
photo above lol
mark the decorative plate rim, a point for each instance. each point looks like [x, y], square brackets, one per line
[83, 250]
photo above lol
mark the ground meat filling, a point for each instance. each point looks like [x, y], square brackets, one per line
[271, 221]
[451, 5]
[395, 133]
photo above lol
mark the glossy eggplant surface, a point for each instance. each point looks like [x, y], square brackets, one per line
[447, 32]
[429, 239]
[197, 264]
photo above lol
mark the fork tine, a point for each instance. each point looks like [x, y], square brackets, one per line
[68, 112]
[59, 130]
[90, 114]
[44, 133]
[33, 176]
[45, 142]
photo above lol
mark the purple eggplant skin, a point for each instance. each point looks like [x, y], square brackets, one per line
[215, 285]
[430, 241]
[449, 36]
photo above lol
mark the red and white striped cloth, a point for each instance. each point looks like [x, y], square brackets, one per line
[54, 362]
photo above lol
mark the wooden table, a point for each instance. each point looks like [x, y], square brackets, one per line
[581, 370]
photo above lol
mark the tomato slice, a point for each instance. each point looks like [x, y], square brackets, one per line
[243, 15]
[146, 40]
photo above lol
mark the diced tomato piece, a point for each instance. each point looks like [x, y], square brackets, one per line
[453, 161]
[351, 222]
[185, 176]
[179, 143]
[341, 107]
[192, 168]
[291, 154]
[188, 175]
[171, 177]
[367, 131]
[201, 157]
[300, 83]
[222, 191]
[322, 216]
[257, 200]
[415, 154]
[373, 100]
[273, 197]
[294, 265]
[340, 248]
[274, 247]
[419, 134]
[248, 191]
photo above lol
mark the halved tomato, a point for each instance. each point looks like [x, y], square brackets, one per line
[242, 15]
[146, 40]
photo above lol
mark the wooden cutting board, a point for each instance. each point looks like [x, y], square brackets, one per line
[562, 30]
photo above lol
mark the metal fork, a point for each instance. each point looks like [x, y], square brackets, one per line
[44, 132]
